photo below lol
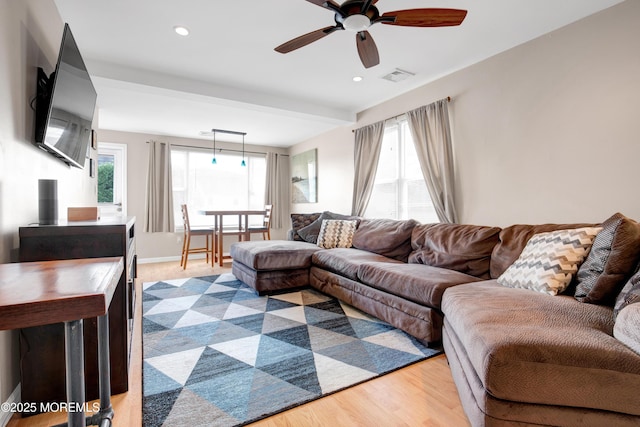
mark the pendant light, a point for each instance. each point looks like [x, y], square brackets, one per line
[214, 161]
[243, 163]
[232, 132]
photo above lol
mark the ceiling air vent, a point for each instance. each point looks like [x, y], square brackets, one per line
[398, 75]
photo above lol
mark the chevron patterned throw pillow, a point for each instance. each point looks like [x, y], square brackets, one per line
[336, 233]
[549, 260]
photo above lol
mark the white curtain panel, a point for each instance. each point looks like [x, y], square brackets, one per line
[277, 189]
[431, 133]
[368, 142]
[159, 197]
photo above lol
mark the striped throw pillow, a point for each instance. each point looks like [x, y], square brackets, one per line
[549, 260]
[335, 233]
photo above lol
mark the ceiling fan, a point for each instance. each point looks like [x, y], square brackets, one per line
[358, 15]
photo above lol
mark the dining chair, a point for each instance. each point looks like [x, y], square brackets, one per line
[190, 231]
[265, 228]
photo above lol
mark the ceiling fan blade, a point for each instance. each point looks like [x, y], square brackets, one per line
[366, 5]
[327, 4]
[305, 39]
[424, 17]
[367, 49]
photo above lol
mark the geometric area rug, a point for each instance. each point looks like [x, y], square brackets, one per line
[217, 354]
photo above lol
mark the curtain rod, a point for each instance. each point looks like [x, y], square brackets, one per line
[220, 150]
[448, 98]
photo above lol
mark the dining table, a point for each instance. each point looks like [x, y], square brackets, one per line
[218, 228]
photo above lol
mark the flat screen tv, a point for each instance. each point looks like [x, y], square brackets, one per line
[65, 105]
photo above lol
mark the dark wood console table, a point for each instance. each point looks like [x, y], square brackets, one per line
[40, 293]
[42, 357]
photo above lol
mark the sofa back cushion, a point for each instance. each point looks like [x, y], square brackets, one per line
[514, 238]
[463, 248]
[388, 237]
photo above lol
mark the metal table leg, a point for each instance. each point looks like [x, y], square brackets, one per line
[105, 415]
[74, 361]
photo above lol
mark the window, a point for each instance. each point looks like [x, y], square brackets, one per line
[225, 185]
[400, 191]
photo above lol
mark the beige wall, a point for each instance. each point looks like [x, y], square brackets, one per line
[160, 246]
[30, 35]
[335, 171]
[545, 132]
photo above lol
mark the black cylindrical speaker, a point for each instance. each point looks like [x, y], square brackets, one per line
[47, 201]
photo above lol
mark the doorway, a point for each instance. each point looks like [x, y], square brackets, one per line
[112, 179]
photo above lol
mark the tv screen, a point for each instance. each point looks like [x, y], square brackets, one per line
[66, 102]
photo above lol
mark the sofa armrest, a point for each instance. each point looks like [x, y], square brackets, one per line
[626, 328]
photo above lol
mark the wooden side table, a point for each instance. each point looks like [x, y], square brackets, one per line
[42, 293]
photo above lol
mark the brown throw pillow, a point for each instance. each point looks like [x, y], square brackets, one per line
[613, 257]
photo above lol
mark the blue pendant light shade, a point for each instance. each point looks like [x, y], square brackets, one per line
[243, 163]
[214, 161]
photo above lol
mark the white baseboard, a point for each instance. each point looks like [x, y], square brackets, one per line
[158, 259]
[5, 416]
[168, 259]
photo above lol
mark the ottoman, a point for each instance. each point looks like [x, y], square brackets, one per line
[272, 265]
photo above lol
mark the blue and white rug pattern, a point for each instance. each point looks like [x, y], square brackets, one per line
[217, 354]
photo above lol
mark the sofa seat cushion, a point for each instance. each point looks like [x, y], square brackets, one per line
[530, 347]
[266, 255]
[422, 284]
[346, 261]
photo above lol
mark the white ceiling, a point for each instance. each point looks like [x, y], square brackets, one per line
[226, 75]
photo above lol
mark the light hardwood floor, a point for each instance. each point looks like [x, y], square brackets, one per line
[422, 394]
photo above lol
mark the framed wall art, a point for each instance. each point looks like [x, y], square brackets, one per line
[304, 179]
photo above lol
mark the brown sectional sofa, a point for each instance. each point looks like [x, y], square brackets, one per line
[518, 357]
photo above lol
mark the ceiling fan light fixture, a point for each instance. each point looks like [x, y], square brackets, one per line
[357, 79]
[356, 23]
[183, 31]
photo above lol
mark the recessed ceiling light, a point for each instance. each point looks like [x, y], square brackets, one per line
[357, 79]
[183, 31]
